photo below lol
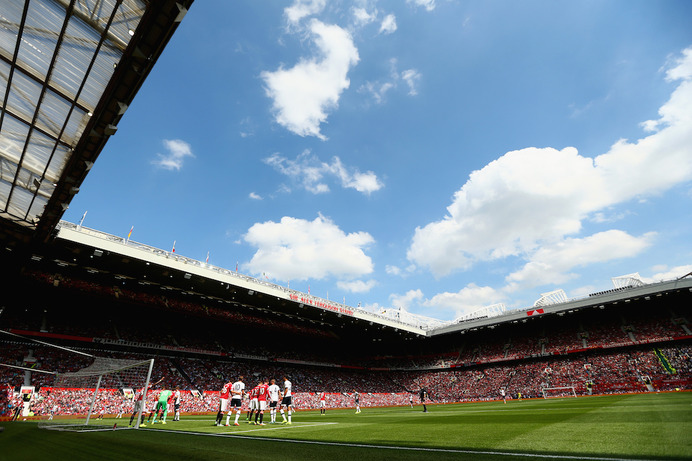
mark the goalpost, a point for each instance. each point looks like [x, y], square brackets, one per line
[77, 393]
[558, 392]
[82, 387]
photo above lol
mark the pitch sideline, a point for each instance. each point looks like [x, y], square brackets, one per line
[395, 448]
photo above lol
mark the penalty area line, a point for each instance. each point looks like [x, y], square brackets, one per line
[281, 427]
[396, 448]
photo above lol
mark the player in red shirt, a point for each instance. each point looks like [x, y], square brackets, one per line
[254, 405]
[323, 403]
[223, 403]
[262, 397]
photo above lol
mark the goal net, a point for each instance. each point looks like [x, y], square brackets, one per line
[558, 392]
[80, 400]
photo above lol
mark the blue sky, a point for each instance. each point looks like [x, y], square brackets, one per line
[438, 156]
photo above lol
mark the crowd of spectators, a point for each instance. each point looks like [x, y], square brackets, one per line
[205, 346]
[616, 371]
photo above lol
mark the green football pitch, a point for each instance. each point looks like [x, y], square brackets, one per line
[646, 426]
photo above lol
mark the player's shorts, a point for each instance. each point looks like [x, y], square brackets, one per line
[223, 406]
[262, 405]
[177, 407]
[286, 401]
[323, 403]
[254, 404]
[273, 403]
[236, 403]
[138, 405]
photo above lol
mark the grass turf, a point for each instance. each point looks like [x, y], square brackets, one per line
[646, 426]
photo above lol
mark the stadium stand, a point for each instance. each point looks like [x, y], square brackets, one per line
[203, 346]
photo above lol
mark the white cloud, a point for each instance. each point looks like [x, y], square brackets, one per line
[178, 150]
[388, 25]
[411, 77]
[551, 264]
[304, 94]
[665, 273]
[302, 9]
[405, 301]
[427, 4]
[311, 173]
[255, 196]
[357, 286]
[362, 17]
[609, 216]
[392, 270]
[297, 249]
[379, 89]
[400, 272]
[681, 67]
[538, 198]
[247, 127]
[366, 183]
[467, 300]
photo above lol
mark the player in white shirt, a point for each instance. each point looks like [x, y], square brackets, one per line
[274, 392]
[237, 392]
[287, 402]
[176, 404]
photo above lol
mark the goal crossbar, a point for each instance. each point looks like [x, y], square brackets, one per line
[561, 391]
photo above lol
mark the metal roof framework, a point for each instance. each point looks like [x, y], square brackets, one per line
[68, 71]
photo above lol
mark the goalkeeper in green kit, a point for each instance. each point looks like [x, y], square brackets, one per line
[162, 405]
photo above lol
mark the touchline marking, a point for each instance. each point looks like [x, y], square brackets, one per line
[384, 447]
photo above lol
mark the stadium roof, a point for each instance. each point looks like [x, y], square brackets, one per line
[97, 256]
[68, 71]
